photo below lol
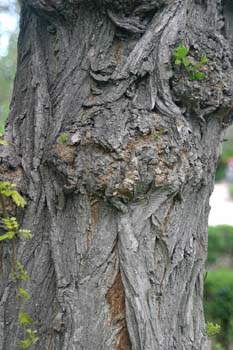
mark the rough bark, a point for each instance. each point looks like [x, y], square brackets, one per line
[119, 213]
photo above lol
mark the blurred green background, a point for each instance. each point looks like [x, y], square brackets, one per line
[218, 293]
[9, 15]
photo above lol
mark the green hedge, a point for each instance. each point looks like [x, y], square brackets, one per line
[220, 242]
[218, 302]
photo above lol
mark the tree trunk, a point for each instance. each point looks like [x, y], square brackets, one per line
[119, 206]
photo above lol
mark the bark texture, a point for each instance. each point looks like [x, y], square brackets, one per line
[119, 212]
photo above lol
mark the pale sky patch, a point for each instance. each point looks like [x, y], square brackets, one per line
[8, 24]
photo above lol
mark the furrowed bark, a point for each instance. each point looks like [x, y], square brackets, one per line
[119, 211]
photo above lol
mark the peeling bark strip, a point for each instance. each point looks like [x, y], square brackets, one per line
[116, 300]
[129, 190]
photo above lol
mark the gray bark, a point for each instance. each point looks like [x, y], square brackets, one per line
[119, 213]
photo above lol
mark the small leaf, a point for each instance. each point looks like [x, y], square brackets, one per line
[24, 318]
[8, 189]
[3, 237]
[11, 223]
[14, 276]
[8, 235]
[18, 199]
[32, 335]
[204, 60]
[177, 61]
[3, 143]
[25, 233]
[63, 138]
[212, 329]
[24, 294]
[5, 184]
[181, 52]
[28, 342]
[197, 76]
[186, 62]
[25, 343]
[11, 234]
[21, 274]
[201, 63]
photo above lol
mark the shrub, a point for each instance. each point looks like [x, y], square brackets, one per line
[218, 302]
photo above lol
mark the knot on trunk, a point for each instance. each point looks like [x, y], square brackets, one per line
[125, 161]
